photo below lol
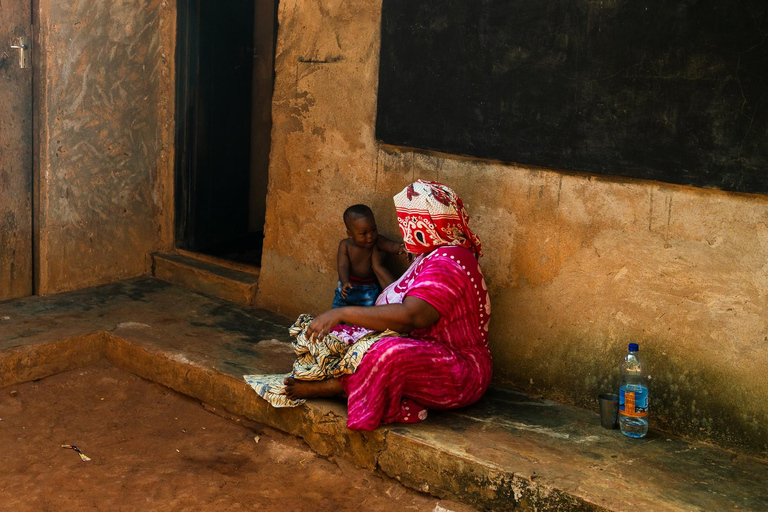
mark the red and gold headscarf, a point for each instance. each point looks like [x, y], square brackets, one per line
[431, 215]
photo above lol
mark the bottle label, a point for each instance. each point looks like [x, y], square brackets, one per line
[633, 401]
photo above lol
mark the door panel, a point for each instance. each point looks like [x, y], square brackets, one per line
[15, 152]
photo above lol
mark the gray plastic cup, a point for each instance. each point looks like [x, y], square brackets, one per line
[609, 409]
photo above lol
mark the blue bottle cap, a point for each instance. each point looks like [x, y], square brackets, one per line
[633, 347]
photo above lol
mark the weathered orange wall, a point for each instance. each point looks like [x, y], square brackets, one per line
[578, 266]
[105, 128]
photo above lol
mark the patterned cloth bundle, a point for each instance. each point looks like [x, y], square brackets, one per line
[339, 353]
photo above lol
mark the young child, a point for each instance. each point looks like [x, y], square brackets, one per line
[362, 274]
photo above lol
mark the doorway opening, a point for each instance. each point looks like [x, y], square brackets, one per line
[225, 76]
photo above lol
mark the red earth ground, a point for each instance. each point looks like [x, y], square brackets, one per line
[153, 449]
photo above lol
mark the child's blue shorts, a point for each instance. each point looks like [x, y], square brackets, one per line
[359, 295]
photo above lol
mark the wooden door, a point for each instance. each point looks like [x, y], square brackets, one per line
[16, 270]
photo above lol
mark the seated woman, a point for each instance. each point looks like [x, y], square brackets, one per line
[441, 301]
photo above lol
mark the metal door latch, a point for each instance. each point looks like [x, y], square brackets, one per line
[22, 44]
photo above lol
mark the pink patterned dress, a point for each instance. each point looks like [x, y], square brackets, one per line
[444, 366]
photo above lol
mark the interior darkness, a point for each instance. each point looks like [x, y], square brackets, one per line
[215, 127]
[669, 91]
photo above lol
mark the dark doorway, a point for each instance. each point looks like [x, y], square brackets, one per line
[225, 75]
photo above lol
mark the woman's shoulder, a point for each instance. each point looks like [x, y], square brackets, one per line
[449, 275]
[451, 253]
[448, 259]
[453, 250]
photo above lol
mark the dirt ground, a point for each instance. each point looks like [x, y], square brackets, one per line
[153, 449]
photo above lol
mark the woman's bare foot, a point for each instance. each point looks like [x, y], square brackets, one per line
[296, 389]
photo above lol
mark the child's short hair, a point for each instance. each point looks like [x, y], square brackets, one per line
[357, 210]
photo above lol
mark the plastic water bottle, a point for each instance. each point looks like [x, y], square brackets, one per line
[633, 394]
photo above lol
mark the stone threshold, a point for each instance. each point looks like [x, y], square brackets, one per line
[509, 451]
[210, 275]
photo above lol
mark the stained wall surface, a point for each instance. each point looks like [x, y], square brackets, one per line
[578, 266]
[105, 127]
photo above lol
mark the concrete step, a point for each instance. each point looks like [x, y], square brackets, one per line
[508, 451]
[212, 276]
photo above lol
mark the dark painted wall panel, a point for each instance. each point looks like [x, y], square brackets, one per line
[666, 91]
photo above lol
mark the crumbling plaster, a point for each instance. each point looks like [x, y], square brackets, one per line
[577, 265]
[105, 127]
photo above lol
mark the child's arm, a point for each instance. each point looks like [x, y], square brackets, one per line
[342, 261]
[383, 275]
[389, 246]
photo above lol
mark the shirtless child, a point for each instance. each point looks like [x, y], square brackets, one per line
[362, 274]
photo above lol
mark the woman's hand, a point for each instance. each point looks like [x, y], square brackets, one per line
[323, 323]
